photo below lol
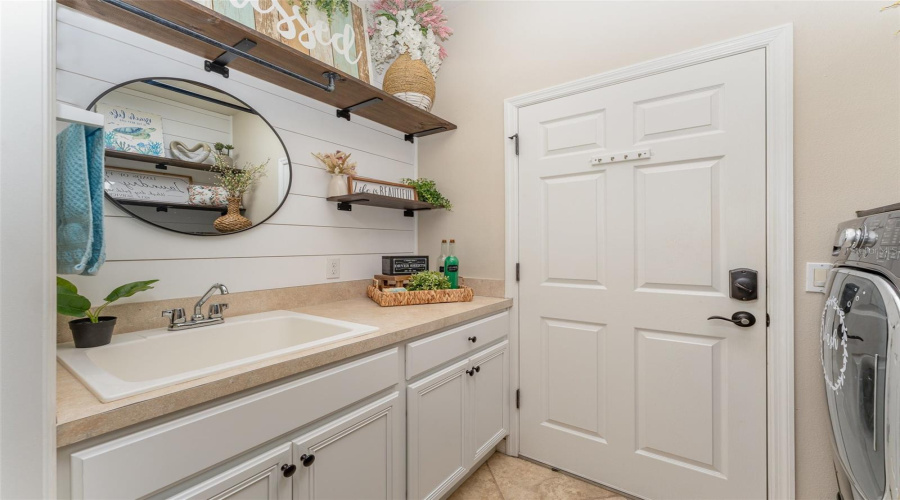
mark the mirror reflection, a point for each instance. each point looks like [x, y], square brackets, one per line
[186, 157]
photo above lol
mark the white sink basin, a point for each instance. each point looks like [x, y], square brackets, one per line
[142, 361]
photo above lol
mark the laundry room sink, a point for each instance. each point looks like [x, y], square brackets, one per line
[138, 362]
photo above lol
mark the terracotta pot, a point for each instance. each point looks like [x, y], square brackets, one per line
[411, 81]
[233, 220]
[338, 185]
[87, 334]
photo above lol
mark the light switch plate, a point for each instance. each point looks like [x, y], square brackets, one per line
[817, 276]
[332, 268]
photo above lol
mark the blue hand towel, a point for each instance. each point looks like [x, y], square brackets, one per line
[79, 201]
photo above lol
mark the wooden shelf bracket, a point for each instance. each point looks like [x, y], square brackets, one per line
[236, 52]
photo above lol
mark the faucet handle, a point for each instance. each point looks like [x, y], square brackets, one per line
[176, 316]
[217, 310]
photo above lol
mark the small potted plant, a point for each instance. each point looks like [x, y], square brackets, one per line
[92, 330]
[428, 192]
[337, 164]
[236, 182]
[224, 151]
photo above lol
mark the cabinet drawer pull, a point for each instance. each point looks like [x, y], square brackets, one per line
[307, 460]
[473, 339]
[471, 372]
[288, 470]
[477, 368]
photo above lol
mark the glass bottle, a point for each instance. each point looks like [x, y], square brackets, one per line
[451, 266]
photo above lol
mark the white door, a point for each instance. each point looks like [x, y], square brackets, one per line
[260, 478]
[624, 380]
[489, 396]
[437, 426]
[356, 457]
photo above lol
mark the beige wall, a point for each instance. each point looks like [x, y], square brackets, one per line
[847, 78]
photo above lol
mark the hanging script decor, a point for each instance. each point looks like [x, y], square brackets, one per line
[340, 42]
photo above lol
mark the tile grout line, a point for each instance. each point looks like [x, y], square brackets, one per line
[494, 478]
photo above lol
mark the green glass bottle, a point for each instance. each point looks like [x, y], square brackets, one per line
[451, 266]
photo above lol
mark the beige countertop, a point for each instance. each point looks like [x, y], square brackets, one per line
[80, 415]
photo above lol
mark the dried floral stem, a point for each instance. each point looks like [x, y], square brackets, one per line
[237, 181]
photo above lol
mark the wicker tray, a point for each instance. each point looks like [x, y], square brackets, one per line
[390, 299]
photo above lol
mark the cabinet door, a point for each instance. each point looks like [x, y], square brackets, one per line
[489, 399]
[257, 479]
[355, 457]
[437, 423]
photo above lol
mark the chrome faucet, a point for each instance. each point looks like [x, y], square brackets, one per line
[177, 320]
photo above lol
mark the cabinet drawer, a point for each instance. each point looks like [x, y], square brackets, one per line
[141, 463]
[425, 354]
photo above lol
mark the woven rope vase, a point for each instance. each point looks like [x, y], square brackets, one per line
[410, 80]
[233, 220]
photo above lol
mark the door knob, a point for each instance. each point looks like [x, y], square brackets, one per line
[307, 460]
[740, 318]
[288, 470]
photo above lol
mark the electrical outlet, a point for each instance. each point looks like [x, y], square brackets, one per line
[332, 268]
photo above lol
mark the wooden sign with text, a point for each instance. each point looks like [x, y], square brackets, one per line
[364, 185]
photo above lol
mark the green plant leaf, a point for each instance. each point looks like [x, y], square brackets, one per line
[428, 192]
[69, 303]
[68, 285]
[129, 289]
[428, 280]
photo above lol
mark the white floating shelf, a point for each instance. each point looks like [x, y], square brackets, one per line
[71, 114]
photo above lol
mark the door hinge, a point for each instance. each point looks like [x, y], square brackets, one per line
[517, 271]
[517, 399]
[515, 137]
[768, 321]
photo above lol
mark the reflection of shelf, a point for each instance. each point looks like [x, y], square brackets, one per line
[346, 202]
[349, 91]
[70, 114]
[161, 162]
[164, 207]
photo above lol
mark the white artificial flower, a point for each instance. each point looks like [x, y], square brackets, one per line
[392, 38]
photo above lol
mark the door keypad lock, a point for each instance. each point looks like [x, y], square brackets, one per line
[743, 284]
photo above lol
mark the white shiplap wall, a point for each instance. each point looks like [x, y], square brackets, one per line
[288, 250]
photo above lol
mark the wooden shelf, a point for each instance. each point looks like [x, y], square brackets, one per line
[165, 206]
[376, 200]
[349, 91]
[157, 160]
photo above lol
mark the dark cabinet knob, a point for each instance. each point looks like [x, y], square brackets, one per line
[471, 372]
[288, 470]
[307, 460]
[477, 368]
[473, 339]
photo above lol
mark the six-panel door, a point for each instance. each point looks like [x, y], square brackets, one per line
[354, 457]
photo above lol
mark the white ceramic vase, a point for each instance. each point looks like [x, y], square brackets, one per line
[338, 185]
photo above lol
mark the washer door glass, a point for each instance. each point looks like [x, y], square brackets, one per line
[855, 323]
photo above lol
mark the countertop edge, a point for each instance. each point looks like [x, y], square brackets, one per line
[79, 429]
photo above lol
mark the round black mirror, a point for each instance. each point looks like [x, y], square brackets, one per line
[190, 158]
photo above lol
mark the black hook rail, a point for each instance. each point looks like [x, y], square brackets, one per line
[332, 77]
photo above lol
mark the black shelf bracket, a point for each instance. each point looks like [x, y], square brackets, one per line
[345, 113]
[411, 137]
[162, 209]
[409, 213]
[162, 166]
[220, 64]
[344, 206]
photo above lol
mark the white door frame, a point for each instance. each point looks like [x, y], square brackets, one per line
[778, 43]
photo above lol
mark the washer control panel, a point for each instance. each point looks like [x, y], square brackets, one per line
[872, 239]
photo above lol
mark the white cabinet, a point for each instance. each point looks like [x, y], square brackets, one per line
[454, 418]
[489, 400]
[260, 478]
[355, 457]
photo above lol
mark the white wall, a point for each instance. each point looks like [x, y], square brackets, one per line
[846, 123]
[288, 250]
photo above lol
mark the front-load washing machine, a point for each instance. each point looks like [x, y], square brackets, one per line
[860, 352]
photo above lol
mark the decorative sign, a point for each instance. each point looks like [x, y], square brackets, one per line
[342, 42]
[132, 131]
[358, 185]
[149, 187]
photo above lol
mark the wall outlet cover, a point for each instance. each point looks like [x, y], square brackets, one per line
[332, 268]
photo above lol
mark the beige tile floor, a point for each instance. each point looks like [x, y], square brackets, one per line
[507, 478]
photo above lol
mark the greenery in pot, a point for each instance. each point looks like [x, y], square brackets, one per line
[92, 329]
[223, 148]
[70, 303]
[428, 280]
[428, 192]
